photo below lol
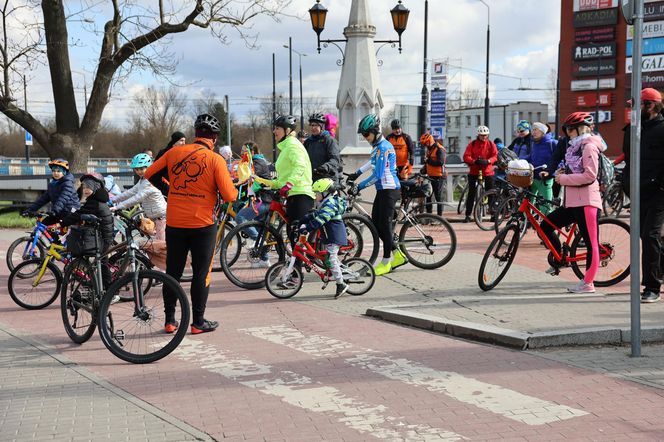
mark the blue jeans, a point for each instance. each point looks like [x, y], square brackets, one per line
[248, 214]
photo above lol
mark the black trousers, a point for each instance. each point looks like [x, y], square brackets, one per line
[652, 261]
[472, 191]
[565, 216]
[382, 215]
[438, 184]
[200, 242]
[296, 207]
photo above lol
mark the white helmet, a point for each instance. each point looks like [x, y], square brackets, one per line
[482, 130]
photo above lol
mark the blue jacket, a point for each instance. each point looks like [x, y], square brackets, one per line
[328, 216]
[62, 196]
[542, 153]
[383, 165]
[522, 146]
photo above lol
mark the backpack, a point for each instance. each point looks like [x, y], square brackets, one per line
[605, 171]
[506, 155]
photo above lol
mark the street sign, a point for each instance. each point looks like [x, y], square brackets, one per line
[28, 138]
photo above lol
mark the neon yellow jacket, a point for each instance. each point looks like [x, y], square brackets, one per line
[293, 166]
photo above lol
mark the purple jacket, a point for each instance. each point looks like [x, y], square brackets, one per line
[580, 180]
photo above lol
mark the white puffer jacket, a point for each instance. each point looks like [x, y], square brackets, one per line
[145, 194]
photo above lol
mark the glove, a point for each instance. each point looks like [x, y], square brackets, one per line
[303, 229]
[353, 176]
[321, 171]
[482, 162]
[353, 190]
[284, 190]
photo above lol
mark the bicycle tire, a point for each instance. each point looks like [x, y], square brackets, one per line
[361, 269]
[612, 201]
[484, 210]
[423, 222]
[616, 266]
[273, 280]
[505, 247]
[22, 290]
[24, 242]
[462, 200]
[78, 301]
[371, 240]
[241, 272]
[216, 262]
[142, 262]
[507, 213]
[118, 320]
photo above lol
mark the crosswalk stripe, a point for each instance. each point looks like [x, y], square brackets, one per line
[494, 398]
[303, 392]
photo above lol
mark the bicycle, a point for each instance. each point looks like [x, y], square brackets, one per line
[284, 279]
[614, 198]
[132, 331]
[224, 215]
[33, 245]
[613, 247]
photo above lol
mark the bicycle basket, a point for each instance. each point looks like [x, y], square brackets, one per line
[520, 177]
[82, 241]
[411, 189]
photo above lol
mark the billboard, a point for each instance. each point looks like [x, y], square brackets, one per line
[651, 46]
[590, 68]
[591, 84]
[606, 33]
[651, 29]
[585, 5]
[438, 108]
[599, 17]
[648, 79]
[591, 99]
[439, 74]
[649, 63]
[653, 11]
[591, 51]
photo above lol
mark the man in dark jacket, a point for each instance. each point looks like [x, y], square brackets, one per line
[177, 139]
[652, 190]
[60, 193]
[323, 150]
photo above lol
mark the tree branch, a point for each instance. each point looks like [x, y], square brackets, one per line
[25, 120]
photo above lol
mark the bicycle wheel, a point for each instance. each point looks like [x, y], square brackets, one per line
[498, 257]
[279, 284]
[32, 288]
[248, 270]
[120, 267]
[216, 263]
[359, 275]
[77, 303]
[612, 202]
[485, 209]
[22, 250]
[133, 331]
[614, 253]
[427, 240]
[370, 240]
[462, 200]
[508, 213]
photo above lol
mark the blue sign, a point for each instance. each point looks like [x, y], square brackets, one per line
[28, 138]
[651, 46]
[438, 109]
[437, 132]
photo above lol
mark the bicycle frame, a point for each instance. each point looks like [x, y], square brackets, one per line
[302, 251]
[38, 234]
[222, 218]
[53, 252]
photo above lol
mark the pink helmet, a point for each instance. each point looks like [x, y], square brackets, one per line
[331, 123]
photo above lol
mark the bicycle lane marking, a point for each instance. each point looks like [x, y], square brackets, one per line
[303, 392]
[508, 403]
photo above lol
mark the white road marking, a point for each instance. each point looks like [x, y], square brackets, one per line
[494, 398]
[303, 392]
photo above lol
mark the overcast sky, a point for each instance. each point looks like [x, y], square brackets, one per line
[524, 42]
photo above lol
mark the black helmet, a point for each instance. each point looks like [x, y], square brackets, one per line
[286, 122]
[209, 122]
[395, 124]
[317, 117]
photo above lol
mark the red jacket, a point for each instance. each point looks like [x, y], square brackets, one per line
[476, 150]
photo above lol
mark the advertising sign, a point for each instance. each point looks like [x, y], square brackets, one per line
[589, 68]
[653, 11]
[606, 33]
[651, 46]
[438, 108]
[649, 63]
[585, 5]
[438, 74]
[649, 79]
[651, 29]
[604, 116]
[590, 99]
[599, 17]
[590, 51]
[590, 85]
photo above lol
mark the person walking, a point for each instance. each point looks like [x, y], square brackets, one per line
[542, 152]
[403, 149]
[480, 155]
[522, 145]
[323, 150]
[197, 175]
[652, 191]
[434, 168]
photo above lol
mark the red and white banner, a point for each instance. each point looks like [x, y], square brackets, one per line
[587, 5]
[590, 99]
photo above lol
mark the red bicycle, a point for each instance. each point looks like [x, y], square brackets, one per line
[284, 279]
[613, 247]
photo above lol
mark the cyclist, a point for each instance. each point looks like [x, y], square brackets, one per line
[333, 234]
[177, 139]
[145, 194]
[544, 147]
[522, 145]
[331, 124]
[480, 155]
[197, 175]
[434, 167]
[60, 193]
[323, 150]
[583, 201]
[262, 167]
[403, 148]
[383, 165]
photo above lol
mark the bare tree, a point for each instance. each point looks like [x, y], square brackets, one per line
[135, 37]
[159, 112]
[210, 105]
[471, 97]
[317, 104]
[552, 87]
[265, 108]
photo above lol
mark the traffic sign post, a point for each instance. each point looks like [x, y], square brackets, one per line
[28, 143]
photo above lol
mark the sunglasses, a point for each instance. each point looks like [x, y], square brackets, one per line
[522, 131]
[365, 134]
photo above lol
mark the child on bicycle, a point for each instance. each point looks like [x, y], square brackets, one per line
[144, 193]
[333, 234]
[60, 193]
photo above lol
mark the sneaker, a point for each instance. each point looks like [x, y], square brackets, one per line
[398, 260]
[342, 288]
[383, 269]
[205, 327]
[171, 326]
[582, 287]
[261, 264]
[466, 219]
[553, 271]
[647, 297]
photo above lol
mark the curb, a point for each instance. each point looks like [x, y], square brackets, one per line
[522, 340]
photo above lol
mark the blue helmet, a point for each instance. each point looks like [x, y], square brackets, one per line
[141, 160]
[523, 125]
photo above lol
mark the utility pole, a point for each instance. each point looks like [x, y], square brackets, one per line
[274, 106]
[301, 98]
[228, 121]
[290, 76]
[425, 92]
[25, 101]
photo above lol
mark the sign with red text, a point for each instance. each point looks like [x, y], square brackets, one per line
[585, 5]
[590, 99]
[606, 33]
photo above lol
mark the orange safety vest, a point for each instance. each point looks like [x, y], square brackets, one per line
[435, 153]
[400, 148]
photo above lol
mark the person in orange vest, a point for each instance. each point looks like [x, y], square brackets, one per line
[434, 167]
[403, 147]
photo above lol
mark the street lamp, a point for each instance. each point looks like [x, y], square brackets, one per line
[300, 55]
[488, 34]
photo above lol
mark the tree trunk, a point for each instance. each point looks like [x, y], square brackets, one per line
[74, 149]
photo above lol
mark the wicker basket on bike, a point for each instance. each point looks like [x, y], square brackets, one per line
[520, 174]
[415, 189]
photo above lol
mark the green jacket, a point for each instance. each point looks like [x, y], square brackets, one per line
[293, 166]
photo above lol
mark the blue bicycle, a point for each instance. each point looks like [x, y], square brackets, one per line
[33, 245]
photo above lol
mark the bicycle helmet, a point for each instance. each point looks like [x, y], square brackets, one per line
[141, 160]
[322, 185]
[209, 122]
[285, 122]
[61, 162]
[482, 130]
[369, 124]
[318, 118]
[395, 124]
[427, 140]
[578, 119]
